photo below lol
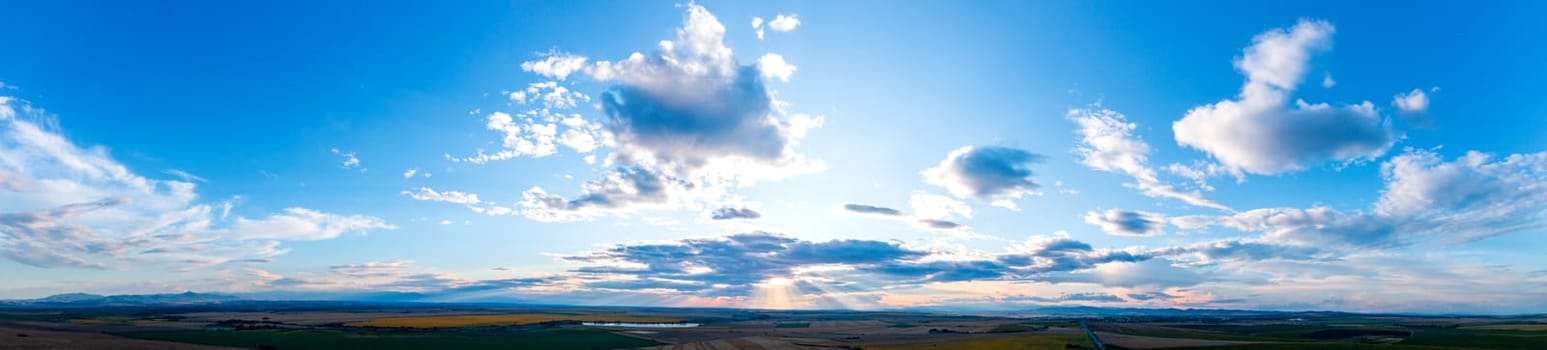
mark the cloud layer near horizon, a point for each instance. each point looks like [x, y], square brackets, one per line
[74, 206]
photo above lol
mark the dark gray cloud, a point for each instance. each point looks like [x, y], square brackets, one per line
[740, 259]
[729, 213]
[986, 173]
[694, 265]
[1075, 297]
[690, 131]
[1127, 223]
[871, 209]
[622, 188]
[940, 224]
[1063, 254]
[1148, 296]
[933, 212]
[945, 271]
[371, 269]
[691, 104]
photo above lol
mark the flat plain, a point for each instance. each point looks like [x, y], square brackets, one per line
[417, 326]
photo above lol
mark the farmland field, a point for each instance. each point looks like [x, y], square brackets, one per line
[578, 339]
[502, 319]
[282, 325]
[1030, 342]
[1538, 327]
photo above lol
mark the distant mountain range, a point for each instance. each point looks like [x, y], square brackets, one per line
[96, 300]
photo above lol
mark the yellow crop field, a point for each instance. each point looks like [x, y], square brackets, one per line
[1512, 327]
[101, 320]
[1034, 342]
[500, 319]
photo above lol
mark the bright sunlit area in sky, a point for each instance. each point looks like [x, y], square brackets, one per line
[857, 155]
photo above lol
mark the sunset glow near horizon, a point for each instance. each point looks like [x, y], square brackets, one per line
[783, 155]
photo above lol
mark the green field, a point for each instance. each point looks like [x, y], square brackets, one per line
[1015, 328]
[1344, 337]
[1031, 342]
[1476, 338]
[572, 339]
[1321, 345]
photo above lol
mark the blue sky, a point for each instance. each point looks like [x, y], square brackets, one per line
[1289, 155]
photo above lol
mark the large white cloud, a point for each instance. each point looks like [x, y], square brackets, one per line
[686, 117]
[690, 104]
[1263, 131]
[66, 205]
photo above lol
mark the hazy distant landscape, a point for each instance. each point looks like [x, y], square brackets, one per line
[205, 321]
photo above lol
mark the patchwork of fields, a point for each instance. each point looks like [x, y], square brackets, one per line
[443, 321]
[576, 339]
[563, 328]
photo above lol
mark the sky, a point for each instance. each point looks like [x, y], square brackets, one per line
[783, 155]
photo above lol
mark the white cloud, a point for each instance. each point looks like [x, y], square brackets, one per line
[186, 176]
[1262, 133]
[525, 137]
[1426, 197]
[1107, 144]
[300, 224]
[757, 26]
[773, 66]
[1475, 196]
[1412, 102]
[687, 115]
[555, 65]
[407, 174]
[690, 105]
[782, 23]
[937, 207]
[1327, 82]
[350, 161]
[428, 194]
[580, 141]
[72, 206]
